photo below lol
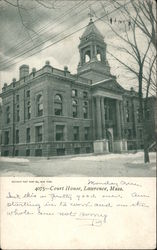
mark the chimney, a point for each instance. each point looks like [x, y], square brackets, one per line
[24, 71]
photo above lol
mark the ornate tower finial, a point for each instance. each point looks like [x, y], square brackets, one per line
[90, 14]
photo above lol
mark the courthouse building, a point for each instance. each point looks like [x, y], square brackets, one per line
[53, 112]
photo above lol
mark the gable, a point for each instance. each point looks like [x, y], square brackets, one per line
[109, 84]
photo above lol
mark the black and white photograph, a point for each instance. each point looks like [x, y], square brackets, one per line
[78, 88]
[78, 99]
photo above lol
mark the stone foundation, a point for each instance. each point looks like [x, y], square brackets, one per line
[120, 146]
[100, 146]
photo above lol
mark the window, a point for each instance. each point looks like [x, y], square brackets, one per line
[106, 111]
[77, 150]
[74, 108]
[28, 110]
[127, 115]
[129, 134]
[59, 132]
[86, 133]
[58, 105]
[38, 152]
[27, 152]
[138, 115]
[6, 137]
[17, 136]
[17, 98]
[98, 56]
[140, 134]
[76, 133]
[87, 56]
[39, 105]
[85, 94]
[28, 136]
[38, 133]
[60, 151]
[88, 150]
[148, 114]
[8, 114]
[6, 153]
[85, 110]
[17, 113]
[74, 92]
[16, 152]
[28, 93]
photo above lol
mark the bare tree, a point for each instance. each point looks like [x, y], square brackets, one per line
[141, 16]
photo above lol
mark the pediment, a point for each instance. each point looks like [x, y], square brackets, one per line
[110, 84]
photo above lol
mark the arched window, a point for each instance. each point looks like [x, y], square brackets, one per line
[58, 105]
[39, 105]
[8, 114]
[87, 56]
[98, 56]
[85, 110]
[74, 108]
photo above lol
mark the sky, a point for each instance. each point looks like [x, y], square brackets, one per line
[34, 31]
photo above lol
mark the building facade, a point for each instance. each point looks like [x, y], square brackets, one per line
[53, 112]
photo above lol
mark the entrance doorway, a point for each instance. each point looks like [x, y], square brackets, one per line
[110, 141]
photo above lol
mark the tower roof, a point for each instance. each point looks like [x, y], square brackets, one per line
[91, 29]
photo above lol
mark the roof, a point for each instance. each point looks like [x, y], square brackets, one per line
[92, 29]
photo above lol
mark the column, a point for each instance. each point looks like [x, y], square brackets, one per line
[91, 51]
[122, 119]
[98, 118]
[118, 119]
[95, 50]
[94, 118]
[103, 118]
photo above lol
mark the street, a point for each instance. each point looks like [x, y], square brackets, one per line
[109, 165]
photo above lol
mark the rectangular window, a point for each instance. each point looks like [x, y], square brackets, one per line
[17, 98]
[16, 152]
[17, 113]
[28, 136]
[28, 93]
[140, 134]
[58, 108]
[76, 133]
[38, 133]
[85, 94]
[38, 152]
[17, 136]
[127, 115]
[148, 114]
[6, 153]
[60, 151]
[129, 133]
[74, 92]
[27, 152]
[77, 150]
[85, 112]
[88, 150]
[86, 133]
[60, 132]
[6, 137]
[138, 115]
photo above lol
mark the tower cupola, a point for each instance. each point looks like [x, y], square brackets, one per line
[92, 49]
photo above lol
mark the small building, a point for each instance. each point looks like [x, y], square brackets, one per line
[53, 112]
